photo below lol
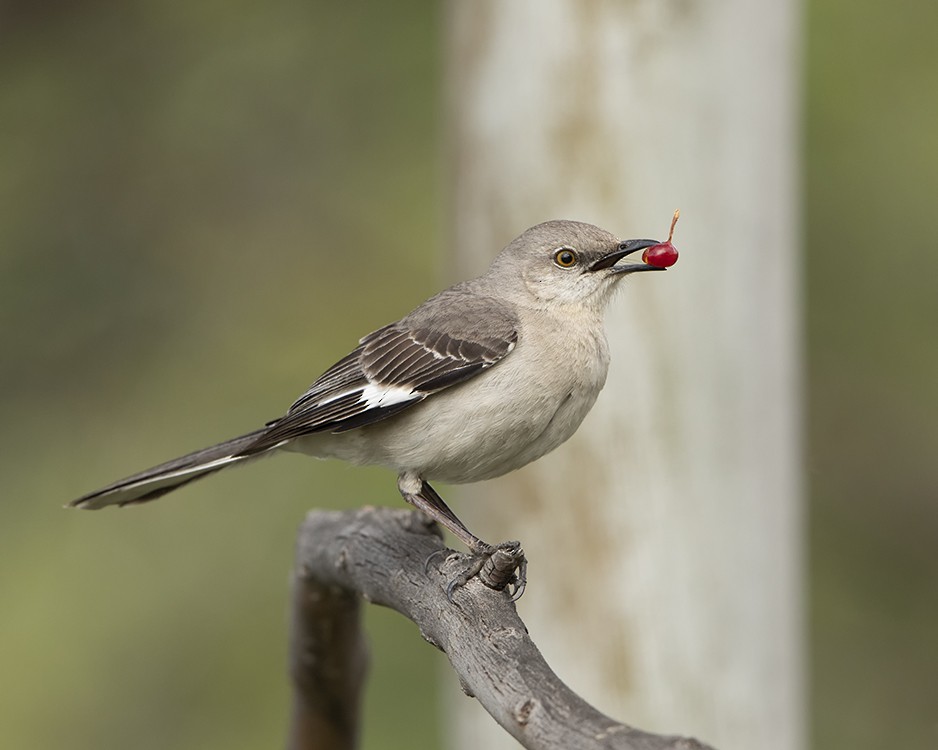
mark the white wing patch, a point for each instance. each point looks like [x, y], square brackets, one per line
[336, 396]
[376, 395]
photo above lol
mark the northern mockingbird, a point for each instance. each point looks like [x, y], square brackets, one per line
[479, 380]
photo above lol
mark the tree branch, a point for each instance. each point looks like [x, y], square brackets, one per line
[381, 554]
[328, 663]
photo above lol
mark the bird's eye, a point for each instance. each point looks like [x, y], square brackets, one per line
[565, 258]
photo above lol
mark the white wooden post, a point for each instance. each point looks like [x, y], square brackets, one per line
[665, 539]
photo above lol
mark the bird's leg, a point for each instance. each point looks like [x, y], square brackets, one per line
[498, 566]
[423, 497]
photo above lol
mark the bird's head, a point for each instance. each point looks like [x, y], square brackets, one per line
[566, 263]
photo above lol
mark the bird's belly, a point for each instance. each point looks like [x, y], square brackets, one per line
[561, 426]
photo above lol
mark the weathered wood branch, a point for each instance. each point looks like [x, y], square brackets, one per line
[381, 554]
[328, 663]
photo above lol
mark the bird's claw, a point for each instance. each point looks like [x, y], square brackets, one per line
[441, 552]
[500, 567]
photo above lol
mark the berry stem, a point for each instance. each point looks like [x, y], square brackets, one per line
[677, 214]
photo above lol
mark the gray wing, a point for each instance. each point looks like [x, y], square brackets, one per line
[446, 341]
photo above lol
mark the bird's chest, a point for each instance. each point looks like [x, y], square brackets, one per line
[570, 358]
[574, 374]
[552, 387]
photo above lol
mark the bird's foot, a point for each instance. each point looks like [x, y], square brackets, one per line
[500, 567]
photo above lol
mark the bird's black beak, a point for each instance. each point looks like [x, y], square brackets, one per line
[624, 248]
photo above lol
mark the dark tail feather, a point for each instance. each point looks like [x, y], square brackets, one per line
[156, 482]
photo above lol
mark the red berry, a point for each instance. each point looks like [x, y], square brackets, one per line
[662, 255]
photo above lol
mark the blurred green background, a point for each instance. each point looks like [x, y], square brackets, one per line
[181, 183]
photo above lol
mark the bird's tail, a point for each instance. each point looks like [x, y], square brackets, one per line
[156, 482]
